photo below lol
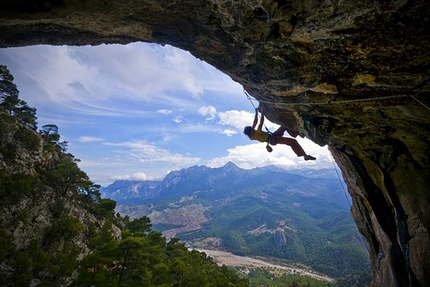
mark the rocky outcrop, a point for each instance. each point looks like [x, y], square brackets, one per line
[350, 74]
[44, 230]
[280, 238]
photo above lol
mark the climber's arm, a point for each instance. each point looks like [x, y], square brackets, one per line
[255, 119]
[260, 126]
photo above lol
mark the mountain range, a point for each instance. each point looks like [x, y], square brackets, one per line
[296, 216]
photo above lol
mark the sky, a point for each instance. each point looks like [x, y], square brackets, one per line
[139, 111]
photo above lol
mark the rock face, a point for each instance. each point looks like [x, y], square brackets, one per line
[280, 238]
[350, 74]
[45, 228]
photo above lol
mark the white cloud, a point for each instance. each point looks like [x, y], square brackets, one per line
[164, 111]
[135, 160]
[140, 176]
[241, 119]
[252, 155]
[177, 119]
[237, 119]
[195, 128]
[137, 176]
[121, 177]
[146, 153]
[112, 91]
[207, 111]
[88, 139]
[228, 133]
[88, 79]
[185, 69]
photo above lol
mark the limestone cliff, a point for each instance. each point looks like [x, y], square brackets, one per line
[46, 224]
[350, 74]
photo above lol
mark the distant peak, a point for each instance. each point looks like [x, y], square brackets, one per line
[230, 165]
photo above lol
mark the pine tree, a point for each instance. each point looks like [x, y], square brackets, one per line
[11, 104]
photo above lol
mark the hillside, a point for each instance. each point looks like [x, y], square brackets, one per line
[50, 209]
[294, 216]
[56, 230]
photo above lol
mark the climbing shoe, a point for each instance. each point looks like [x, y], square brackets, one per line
[309, 157]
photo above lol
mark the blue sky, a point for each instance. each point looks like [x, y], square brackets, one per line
[141, 110]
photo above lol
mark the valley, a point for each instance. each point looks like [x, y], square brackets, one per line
[297, 216]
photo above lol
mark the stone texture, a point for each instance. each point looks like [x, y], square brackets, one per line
[29, 217]
[350, 74]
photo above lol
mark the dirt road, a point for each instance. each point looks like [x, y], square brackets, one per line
[229, 259]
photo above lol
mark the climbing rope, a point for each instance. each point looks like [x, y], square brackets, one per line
[332, 159]
[340, 181]
[418, 101]
[335, 102]
[419, 87]
[349, 203]
[250, 99]
[329, 102]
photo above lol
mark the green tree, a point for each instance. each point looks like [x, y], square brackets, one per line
[40, 258]
[17, 186]
[50, 132]
[98, 267]
[66, 176]
[25, 114]
[133, 262]
[104, 207]
[52, 138]
[8, 90]
[145, 259]
[21, 264]
[139, 226]
[65, 228]
[10, 102]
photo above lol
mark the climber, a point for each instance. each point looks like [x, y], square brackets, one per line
[276, 137]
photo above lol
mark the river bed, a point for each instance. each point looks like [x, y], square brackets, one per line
[230, 259]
